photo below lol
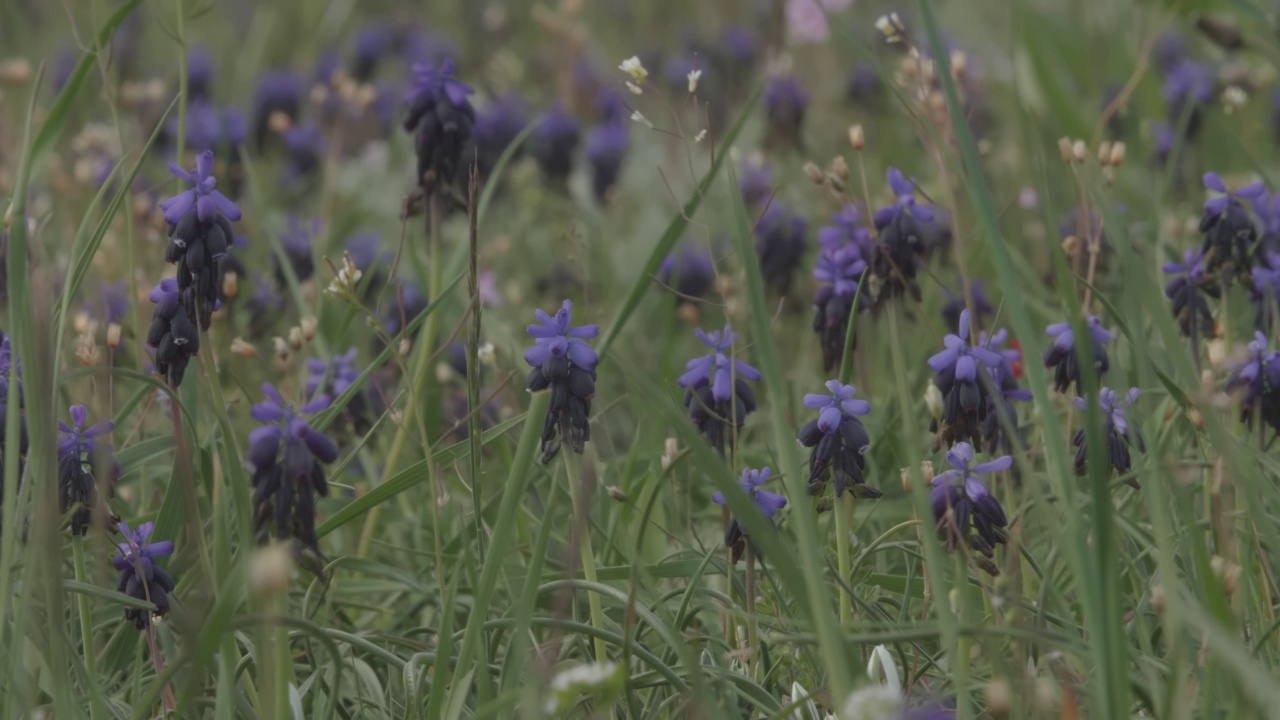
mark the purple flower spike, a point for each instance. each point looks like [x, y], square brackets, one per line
[140, 576]
[839, 441]
[565, 364]
[965, 395]
[904, 228]
[1256, 380]
[961, 500]
[716, 390]
[769, 503]
[286, 455]
[1118, 437]
[442, 120]
[1061, 355]
[84, 464]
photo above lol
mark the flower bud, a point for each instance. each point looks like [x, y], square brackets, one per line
[1079, 151]
[243, 349]
[1157, 598]
[230, 285]
[271, 570]
[814, 174]
[1064, 149]
[308, 326]
[856, 138]
[295, 338]
[933, 401]
[113, 335]
[839, 167]
[1104, 153]
[1117, 154]
[617, 493]
[997, 695]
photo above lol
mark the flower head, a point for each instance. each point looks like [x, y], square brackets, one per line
[1187, 291]
[903, 228]
[84, 463]
[755, 180]
[278, 94]
[285, 455]
[554, 143]
[716, 390]
[172, 334]
[1257, 381]
[689, 271]
[839, 441]
[441, 118]
[430, 86]
[606, 149]
[140, 575]
[769, 503]
[1061, 355]
[780, 245]
[956, 303]
[565, 364]
[296, 241]
[960, 498]
[785, 103]
[1117, 433]
[202, 195]
[497, 126]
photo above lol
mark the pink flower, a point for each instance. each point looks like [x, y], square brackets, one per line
[807, 19]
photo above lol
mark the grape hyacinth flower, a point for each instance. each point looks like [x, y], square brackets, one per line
[864, 87]
[264, 304]
[372, 43]
[286, 456]
[1264, 291]
[1188, 89]
[716, 390]
[1257, 380]
[1002, 414]
[199, 234]
[304, 147]
[964, 389]
[554, 142]
[199, 74]
[84, 463]
[902, 240]
[565, 364]
[441, 118]
[840, 270]
[497, 126]
[755, 180]
[735, 536]
[956, 303]
[1117, 434]
[839, 441]
[961, 500]
[1229, 232]
[296, 241]
[689, 272]
[172, 335]
[785, 103]
[1061, 355]
[335, 377]
[1187, 291]
[606, 149]
[780, 245]
[140, 575]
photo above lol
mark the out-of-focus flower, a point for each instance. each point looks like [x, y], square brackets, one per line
[1229, 232]
[841, 267]
[286, 456]
[372, 43]
[1257, 380]
[606, 149]
[807, 19]
[84, 463]
[902, 240]
[554, 142]
[441, 118]
[304, 148]
[1187, 291]
[780, 245]
[1188, 89]
[279, 93]
[1061, 355]
[296, 241]
[956, 303]
[335, 377]
[755, 180]
[140, 575]
[1117, 435]
[688, 271]
[785, 103]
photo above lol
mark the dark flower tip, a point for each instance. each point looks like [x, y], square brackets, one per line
[1061, 355]
[85, 465]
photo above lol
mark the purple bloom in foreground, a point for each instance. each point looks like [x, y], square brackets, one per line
[286, 456]
[769, 503]
[839, 441]
[1062, 355]
[716, 390]
[84, 463]
[961, 500]
[565, 364]
[1117, 435]
[140, 576]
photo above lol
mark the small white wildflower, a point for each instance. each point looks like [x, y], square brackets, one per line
[633, 67]
[891, 27]
[486, 355]
[702, 135]
[639, 117]
[874, 702]
[634, 88]
[593, 679]
[693, 79]
[670, 449]
[1234, 98]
